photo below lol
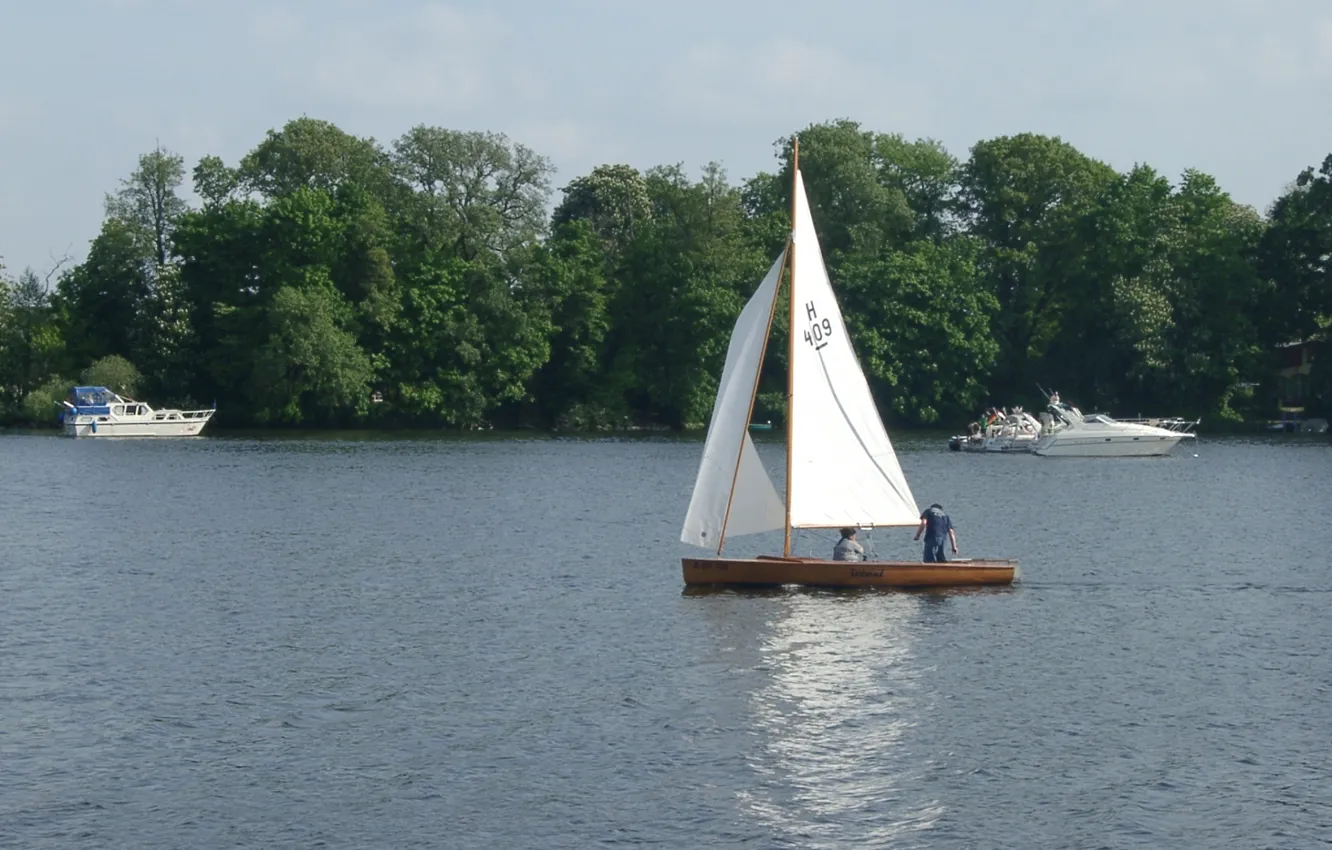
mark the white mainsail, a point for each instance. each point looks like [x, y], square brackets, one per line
[844, 471]
[729, 457]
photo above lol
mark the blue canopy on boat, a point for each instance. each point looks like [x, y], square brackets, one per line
[94, 401]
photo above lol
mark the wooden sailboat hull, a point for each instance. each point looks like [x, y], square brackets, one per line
[821, 573]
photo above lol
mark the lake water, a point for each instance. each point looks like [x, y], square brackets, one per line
[405, 642]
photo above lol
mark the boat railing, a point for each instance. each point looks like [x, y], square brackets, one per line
[1170, 423]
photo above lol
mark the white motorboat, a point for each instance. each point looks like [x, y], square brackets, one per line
[1066, 432]
[98, 412]
[1004, 432]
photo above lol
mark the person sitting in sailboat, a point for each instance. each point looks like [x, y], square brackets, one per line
[847, 549]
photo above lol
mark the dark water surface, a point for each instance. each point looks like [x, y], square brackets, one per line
[359, 643]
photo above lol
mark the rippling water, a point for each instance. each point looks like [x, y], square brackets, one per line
[354, 643]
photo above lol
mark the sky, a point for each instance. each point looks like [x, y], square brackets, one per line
[1240, 89]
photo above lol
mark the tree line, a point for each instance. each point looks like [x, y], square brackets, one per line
[327, 280]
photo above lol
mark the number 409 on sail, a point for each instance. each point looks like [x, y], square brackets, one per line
[819, 330]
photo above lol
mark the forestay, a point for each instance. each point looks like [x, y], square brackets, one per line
[844, 471]
[729, 456]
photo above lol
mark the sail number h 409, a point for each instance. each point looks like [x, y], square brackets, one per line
[819, 330]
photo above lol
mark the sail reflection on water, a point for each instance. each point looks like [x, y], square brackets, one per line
[833, 723]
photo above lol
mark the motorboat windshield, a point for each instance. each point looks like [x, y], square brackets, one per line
[93, 397]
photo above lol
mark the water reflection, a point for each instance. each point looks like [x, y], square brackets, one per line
[843, 690]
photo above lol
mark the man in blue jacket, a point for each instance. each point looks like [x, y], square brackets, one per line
[936, 526]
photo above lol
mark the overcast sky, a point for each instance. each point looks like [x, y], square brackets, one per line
[1241, 89]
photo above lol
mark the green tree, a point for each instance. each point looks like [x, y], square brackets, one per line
[147, 200]
[41, 405]
[309, 365]
[1217, 296]
[567, 282]
[1024, 196]
[105, 300]
[927, 175]
[126, 299]
[223, 290]
[1120, 297]
[9, 391]
[920, 321]
[1294, 257]
[311, 154]
[474, 193]
[682, 283]
[214, 181]
[236, 255]
[466, 344]
[363, 268]
[857, 201]
[31, 346]
[1164, 283]
[613, 200]
[323, 268]
[115, 373]
[301, 229]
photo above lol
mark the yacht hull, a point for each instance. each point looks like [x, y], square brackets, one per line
[998, 445]
[103, 427]
[1098, 445]
[817, 572]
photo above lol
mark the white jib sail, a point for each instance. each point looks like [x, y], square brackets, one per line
[844, 471]
[755, 505]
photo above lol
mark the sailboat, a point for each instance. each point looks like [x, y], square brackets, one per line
[841, 469]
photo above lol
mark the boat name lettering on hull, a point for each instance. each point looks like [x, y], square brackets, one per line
[867, 573]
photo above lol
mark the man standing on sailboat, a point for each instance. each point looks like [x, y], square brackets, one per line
[937, 526]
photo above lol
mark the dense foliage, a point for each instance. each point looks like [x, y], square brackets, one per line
[328, 280]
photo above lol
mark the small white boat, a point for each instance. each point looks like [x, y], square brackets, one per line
[98, 412]
[1066, 432]
[1006, 432]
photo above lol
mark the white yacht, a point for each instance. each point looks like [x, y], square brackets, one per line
[1005, 432]
[1066, 432]
[98, 412]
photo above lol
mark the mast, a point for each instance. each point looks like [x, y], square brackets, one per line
[790, 341]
